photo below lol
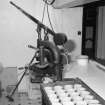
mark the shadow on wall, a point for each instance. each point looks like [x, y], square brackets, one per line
[1, 67]
[8, 76]
[70, 46]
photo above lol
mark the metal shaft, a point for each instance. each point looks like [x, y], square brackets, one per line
[34, 19]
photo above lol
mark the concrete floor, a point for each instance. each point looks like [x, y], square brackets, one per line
[91, 75]
[20, 99]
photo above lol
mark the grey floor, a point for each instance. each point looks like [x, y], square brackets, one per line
[20, 99]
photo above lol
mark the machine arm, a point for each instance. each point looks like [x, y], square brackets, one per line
[34, 20]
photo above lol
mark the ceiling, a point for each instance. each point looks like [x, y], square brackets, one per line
[58, 4]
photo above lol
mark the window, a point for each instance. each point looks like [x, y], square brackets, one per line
[100, 40]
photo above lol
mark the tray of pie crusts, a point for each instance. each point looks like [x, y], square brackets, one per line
[70, 92]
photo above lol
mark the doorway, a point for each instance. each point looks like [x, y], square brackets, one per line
[89, 31]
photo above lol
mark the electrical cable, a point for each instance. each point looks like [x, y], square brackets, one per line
[47, 14]
[43, 12]
[49, 18]
[49, 2]
[66, 56]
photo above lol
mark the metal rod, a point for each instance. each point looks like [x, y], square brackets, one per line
[34, 19]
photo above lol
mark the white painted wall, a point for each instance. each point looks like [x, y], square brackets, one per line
[17, 31]
[69, 21]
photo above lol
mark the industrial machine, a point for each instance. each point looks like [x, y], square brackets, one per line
[48, 55]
